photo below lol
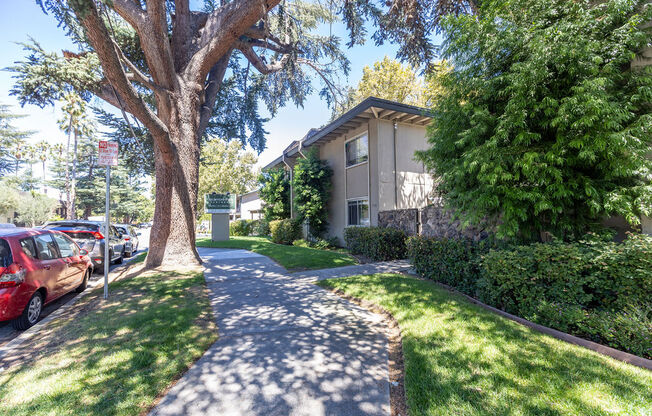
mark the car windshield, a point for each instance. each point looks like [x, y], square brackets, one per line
[71, 226]
[5, 253]
[122, 230]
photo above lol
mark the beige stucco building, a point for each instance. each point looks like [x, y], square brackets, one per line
[371, 151]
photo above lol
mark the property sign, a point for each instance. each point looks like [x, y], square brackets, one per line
[108, 153]
[219, 203]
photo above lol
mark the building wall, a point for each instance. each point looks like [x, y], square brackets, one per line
[250, 206]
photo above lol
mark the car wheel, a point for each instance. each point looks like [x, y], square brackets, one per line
[122, 257]
[84, 284]
[30, 314]
[129, 253]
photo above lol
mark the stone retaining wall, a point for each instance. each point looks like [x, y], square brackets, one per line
[403, 219]
[431, 221]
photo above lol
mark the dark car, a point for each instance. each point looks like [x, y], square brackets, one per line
[90, 236]
[37, 267]
[129, 238]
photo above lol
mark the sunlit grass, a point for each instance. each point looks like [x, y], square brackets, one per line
[290, 257]
[118, 355]
[462, 360]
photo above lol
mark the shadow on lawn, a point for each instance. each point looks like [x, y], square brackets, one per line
[461, 359]
[115, 356]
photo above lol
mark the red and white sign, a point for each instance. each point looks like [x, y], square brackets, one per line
[108, 155]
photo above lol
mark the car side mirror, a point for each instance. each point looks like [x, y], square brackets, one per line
[83, 252]
[139, 234]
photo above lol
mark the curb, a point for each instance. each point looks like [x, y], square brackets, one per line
[571, 339]
[29, 333]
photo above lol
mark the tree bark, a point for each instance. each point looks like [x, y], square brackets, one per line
[172, 239]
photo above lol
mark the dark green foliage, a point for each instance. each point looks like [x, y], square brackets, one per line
[284, 231]
[241, 228]
[260, 228]
[543, 125]
[379, 244]
[275, 194]
[312, 186]
[455, 262]
[598, 290]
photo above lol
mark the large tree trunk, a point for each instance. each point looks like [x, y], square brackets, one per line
[172, 239]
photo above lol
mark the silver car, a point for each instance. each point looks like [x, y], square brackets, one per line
[129, 238]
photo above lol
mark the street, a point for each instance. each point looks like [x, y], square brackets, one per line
[7, 332]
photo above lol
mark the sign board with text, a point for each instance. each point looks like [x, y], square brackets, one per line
[219, 203]
[108, 153]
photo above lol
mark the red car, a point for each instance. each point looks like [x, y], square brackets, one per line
[37, 267]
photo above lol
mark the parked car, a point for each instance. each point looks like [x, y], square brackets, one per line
[7, 225]
[37, 267]
[129, 238]
[90, 236]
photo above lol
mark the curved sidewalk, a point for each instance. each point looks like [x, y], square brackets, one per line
[286, 347]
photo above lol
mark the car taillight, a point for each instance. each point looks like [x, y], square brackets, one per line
[98, 235]
[127, 238]
[12, 276]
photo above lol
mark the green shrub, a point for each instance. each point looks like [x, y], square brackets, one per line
[379, 244]
[321, 244]
[455, 262]
[260, 228]
[595, 289]
[240, 228]
[284, 231]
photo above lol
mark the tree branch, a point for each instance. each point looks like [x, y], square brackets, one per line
[213, 86]
[103, 45]
[223, 27]
[182, 29]
[258, 63]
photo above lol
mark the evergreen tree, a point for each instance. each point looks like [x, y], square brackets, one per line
[312, 187]
[275, 194]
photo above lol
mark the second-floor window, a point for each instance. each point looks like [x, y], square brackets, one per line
[357, 150]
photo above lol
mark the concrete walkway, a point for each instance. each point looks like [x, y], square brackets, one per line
[286, 348]
[396, 266]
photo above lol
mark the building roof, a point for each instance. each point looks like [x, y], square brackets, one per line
[371, 107]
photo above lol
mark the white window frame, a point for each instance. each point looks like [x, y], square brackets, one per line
[357, 136]
[348, 222]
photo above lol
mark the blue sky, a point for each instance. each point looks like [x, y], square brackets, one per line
[23, 18]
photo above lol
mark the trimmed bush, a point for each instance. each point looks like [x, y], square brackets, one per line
[240, 228]
[455, 262]
[284, 231]
[598, 290]
[379, 244]
[260, 228]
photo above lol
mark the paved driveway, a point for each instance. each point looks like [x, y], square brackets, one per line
[286, 347]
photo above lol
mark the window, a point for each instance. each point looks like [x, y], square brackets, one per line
[5, 253]
[357, 150]
[45, 247]
[66, 246]
[358, 212]
[27, 244]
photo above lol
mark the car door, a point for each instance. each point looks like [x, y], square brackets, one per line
[75, 266]
[51, 263]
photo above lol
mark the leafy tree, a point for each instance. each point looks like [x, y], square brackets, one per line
[9, 197]
[34, 209]
[12, 142]
[186, 74]
[312, 187]
[225, 167]
[275, 194]
[392, 80]
[544, 124]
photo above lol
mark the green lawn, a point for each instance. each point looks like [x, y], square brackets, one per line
[463, 360]
[115, 357]
[290, 257]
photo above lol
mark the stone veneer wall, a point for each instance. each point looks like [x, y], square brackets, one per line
[431, 221]
[403, 219]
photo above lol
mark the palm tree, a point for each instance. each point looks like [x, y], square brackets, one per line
[43, 149]
[74, 122]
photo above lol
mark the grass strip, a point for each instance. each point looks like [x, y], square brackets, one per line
[292, 258]
[463, 360]
[114, 357]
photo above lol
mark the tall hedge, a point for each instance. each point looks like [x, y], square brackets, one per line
[312, 187]
[544, 125]
[275, 194]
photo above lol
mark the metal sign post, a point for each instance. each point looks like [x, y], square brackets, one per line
[107, 156]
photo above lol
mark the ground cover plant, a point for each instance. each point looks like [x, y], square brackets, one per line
[461, 359]
[289, 256]
[114, 357]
